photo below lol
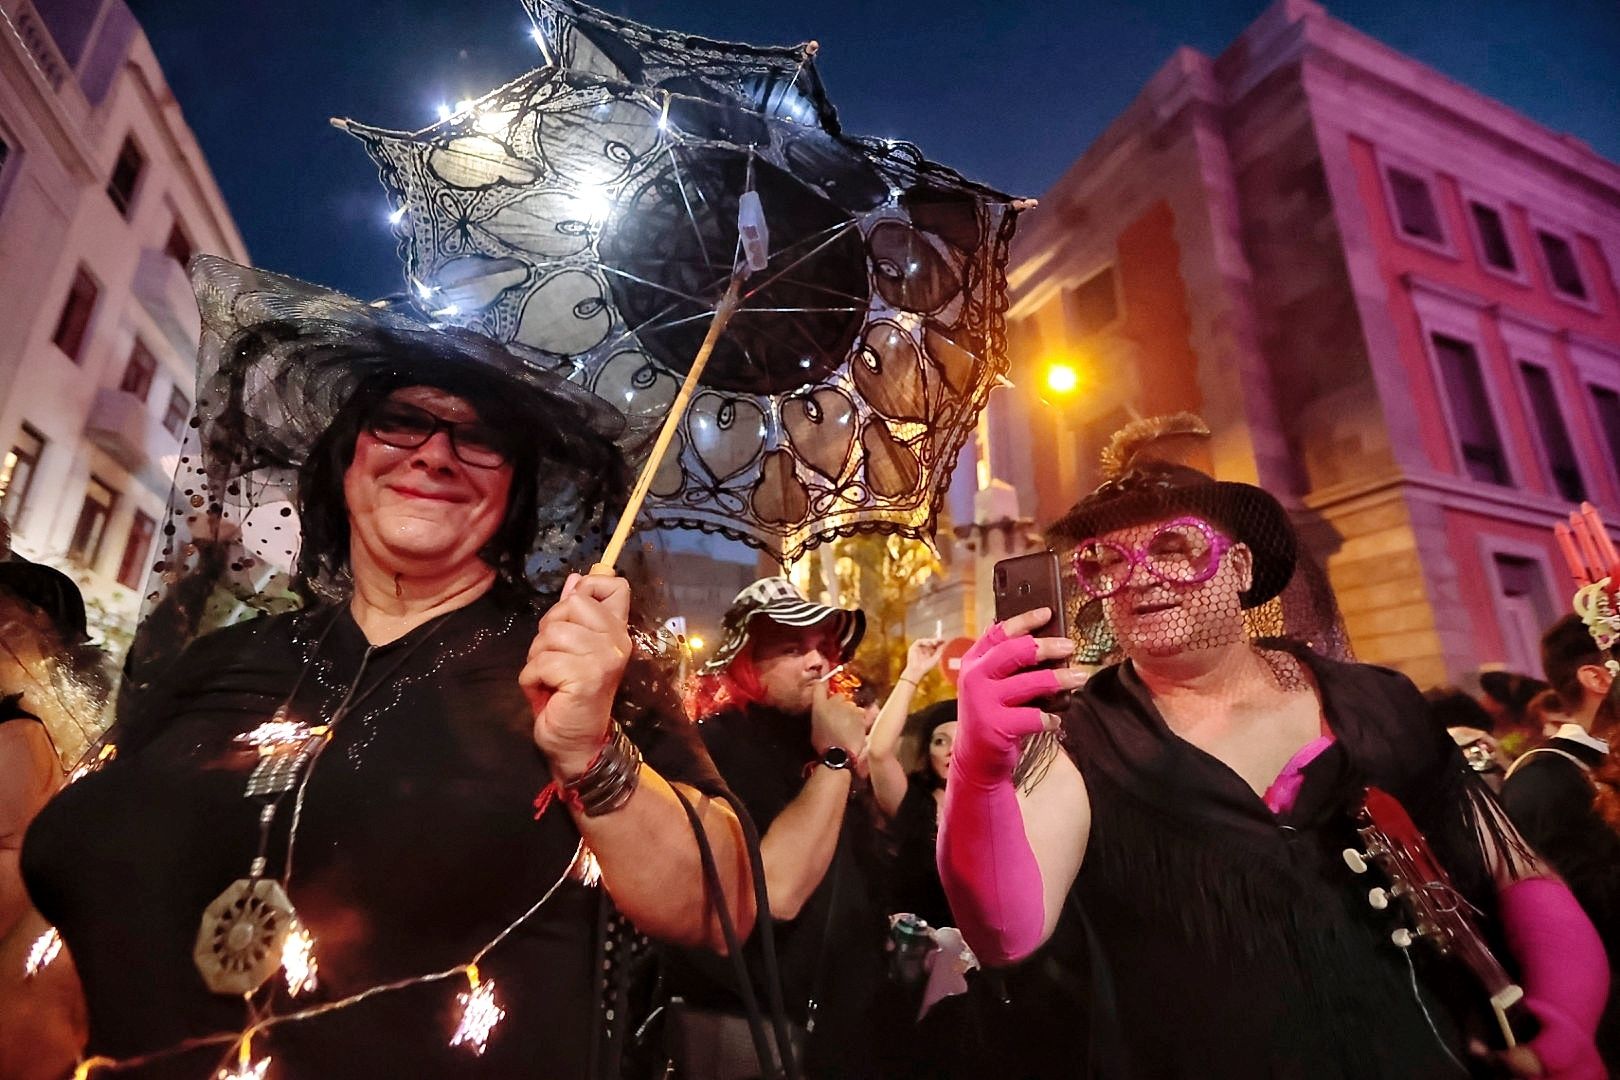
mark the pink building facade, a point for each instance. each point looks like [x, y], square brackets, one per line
[103, 196]
[1393, 299]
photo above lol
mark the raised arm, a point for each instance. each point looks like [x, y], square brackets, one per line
[798, 846]
[1006, 879]
[882, 742]
[646, 848]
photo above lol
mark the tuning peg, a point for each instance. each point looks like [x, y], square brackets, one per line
[1402, 938]
[1378, 898]
[1355, 860]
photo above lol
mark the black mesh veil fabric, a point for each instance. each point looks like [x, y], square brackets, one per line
[279, 359]
[1163, 558]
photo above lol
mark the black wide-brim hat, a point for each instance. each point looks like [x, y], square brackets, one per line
[1155, 491]
[279, 359]
[50, 591]
[779, 600]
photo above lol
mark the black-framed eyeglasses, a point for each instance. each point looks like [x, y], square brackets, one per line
[405, 427]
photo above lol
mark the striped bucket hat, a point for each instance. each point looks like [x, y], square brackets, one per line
[777, 599]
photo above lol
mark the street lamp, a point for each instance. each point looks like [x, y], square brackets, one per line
[695, 644]
[1062, 378]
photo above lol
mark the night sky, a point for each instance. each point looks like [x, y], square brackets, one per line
[1009, 94]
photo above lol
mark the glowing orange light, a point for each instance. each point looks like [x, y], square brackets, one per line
[1062, 378]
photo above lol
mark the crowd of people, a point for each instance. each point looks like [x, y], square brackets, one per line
[523, 849]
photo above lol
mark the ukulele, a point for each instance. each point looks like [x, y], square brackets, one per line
[1438, 912]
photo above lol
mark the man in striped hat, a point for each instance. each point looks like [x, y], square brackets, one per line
[791, 749]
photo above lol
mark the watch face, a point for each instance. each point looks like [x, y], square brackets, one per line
[836, 757]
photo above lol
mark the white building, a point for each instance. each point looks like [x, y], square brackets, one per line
[104, 194]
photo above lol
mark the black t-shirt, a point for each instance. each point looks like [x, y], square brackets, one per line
[417, 845]
[833, 950]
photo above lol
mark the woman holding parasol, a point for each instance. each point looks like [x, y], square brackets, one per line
[319, 839]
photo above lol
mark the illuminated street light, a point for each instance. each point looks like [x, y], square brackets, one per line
[695, 643]
[1062, 378]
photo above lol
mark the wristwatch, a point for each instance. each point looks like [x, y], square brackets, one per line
[834, 757]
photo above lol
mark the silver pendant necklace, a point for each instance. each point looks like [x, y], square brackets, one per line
[243, 933]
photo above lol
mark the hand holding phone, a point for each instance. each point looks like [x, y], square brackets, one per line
[1026, 582]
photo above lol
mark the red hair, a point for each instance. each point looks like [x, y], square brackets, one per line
[736, 685]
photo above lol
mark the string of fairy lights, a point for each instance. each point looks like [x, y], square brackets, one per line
[478, 1006]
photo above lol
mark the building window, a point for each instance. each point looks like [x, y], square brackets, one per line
[1414, 207]
[91, 528]
[133, 564]
[1477, 436]
[1561, 265]
[139, 371]
[1493, 238]
[1555, 443]
[17, 472]
[126, 175]
[75, 318]
[1525, 608]
[1608, 410]
[179, 246]
[1093, 304]
[179, 409]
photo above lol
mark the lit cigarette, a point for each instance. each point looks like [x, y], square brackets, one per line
[833, 672]
[939, 627]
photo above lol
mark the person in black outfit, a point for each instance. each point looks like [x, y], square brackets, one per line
[789, 749]
[915, 825]
[361, 777]
[1550, 794]
[909, 799]
[1175, 839]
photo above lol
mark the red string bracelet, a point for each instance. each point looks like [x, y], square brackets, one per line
[557, 790]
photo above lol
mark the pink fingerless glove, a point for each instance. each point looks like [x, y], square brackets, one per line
[1565, 974]
[985, 862]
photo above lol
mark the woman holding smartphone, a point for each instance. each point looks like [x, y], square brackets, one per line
[1192, 803]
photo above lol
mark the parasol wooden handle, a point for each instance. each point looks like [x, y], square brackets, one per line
[638, 494]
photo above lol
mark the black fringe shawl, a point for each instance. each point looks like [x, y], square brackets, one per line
[1239, 942]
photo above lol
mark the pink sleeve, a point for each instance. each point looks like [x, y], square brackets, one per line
[986, 864]
[1565, 974]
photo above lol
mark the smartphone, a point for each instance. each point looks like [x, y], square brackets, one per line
[1025, 582]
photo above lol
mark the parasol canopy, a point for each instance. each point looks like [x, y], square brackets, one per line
[590, 210]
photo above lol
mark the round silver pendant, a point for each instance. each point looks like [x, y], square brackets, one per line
[240, 938]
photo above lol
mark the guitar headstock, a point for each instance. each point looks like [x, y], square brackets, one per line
[1439, 914]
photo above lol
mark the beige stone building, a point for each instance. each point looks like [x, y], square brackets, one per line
[104, 194]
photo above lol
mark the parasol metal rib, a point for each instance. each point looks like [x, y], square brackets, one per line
[677, 410]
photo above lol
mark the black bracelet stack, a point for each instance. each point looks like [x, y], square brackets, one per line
[610, 781]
